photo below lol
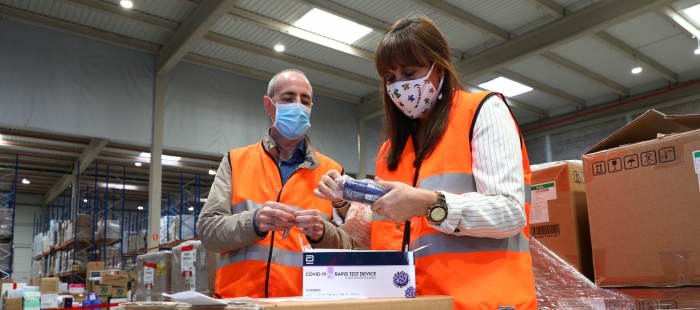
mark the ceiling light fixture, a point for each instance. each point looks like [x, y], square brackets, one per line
[637, 68]
[332, 26]
[507, 87]
[127, 4]
[25, 181]
[140, 207]
[212, 171]
[165, 157]
[84, 199]
[191, 208]
[279, 48]
[137, 164]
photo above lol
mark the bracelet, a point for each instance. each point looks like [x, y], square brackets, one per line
[340, 205]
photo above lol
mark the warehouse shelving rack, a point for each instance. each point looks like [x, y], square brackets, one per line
[105, 202]
[8, 203]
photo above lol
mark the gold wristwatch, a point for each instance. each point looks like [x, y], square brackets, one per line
[438, 212]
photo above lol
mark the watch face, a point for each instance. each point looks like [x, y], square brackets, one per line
[438, 214]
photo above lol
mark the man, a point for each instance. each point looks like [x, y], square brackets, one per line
[262, 199]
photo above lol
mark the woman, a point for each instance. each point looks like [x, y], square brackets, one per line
[456, 168]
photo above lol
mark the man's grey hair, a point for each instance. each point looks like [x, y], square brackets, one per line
[272, 86]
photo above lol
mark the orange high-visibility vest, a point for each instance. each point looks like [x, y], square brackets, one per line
[256, 179]
[480, 273]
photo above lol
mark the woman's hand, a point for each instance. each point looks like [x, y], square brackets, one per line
[326, 184]
[403, 202]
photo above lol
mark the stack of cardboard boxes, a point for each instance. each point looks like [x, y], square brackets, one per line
[635, 229]
[110, 285]
[643, 192]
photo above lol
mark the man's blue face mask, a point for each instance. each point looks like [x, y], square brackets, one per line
[292, 119]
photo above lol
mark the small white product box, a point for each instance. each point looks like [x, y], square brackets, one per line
[49, 301]
[342, 274]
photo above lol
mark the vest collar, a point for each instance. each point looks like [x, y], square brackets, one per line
[270, 147]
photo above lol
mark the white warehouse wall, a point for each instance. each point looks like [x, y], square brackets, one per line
[64, 83]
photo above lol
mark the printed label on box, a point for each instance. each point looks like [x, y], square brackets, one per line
[539, 209]
[336, 282]
[545, 191]
[583, 303]
[161, 270]
[696, 161]
[187, 259]
[148, 275]
[539, 212]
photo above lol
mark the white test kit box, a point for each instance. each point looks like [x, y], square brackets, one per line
[342, 274]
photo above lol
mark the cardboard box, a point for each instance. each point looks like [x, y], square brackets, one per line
[418, 303]
[31, 304]
[642, 188]
[116, 301]
[49, 301]
[92, 267]
[114, 280]
[153, 270]
[48, 286]
[102, 290]
[192, 256]
[12, 303]
[78, 288]
[79, 298]
[558, 212]
[104, 299]
[118, 292]
[684, 297]
[332, 274]
[65, 301]
[33, 282]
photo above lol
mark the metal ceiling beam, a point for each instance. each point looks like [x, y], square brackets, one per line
[118, 11]
[554, 9]
[630, 52]
[551, 7]
[465, 18]
[349, 14]
[537, 85]
[204, 17]
[588, 21]
[252, 48]
[274, 25]
[595, 77]
[85, 159]
[77, 29]
[217, 64]
[676, 19]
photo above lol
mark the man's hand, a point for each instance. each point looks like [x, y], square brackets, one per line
[274, 216]
[311, 223]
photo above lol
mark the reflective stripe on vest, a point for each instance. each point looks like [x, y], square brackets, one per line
[260, 253]
[249, 205]
[453, 182]
[440, 243]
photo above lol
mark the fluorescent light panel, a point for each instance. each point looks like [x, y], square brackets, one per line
[507, 87]
[164, 157]
[332, 26]
[693, 12]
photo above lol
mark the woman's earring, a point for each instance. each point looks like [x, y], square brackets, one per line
[440, 96]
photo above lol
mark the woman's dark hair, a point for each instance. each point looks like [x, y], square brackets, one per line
[415, 41]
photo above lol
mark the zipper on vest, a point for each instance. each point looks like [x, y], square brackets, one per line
[272, 238]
